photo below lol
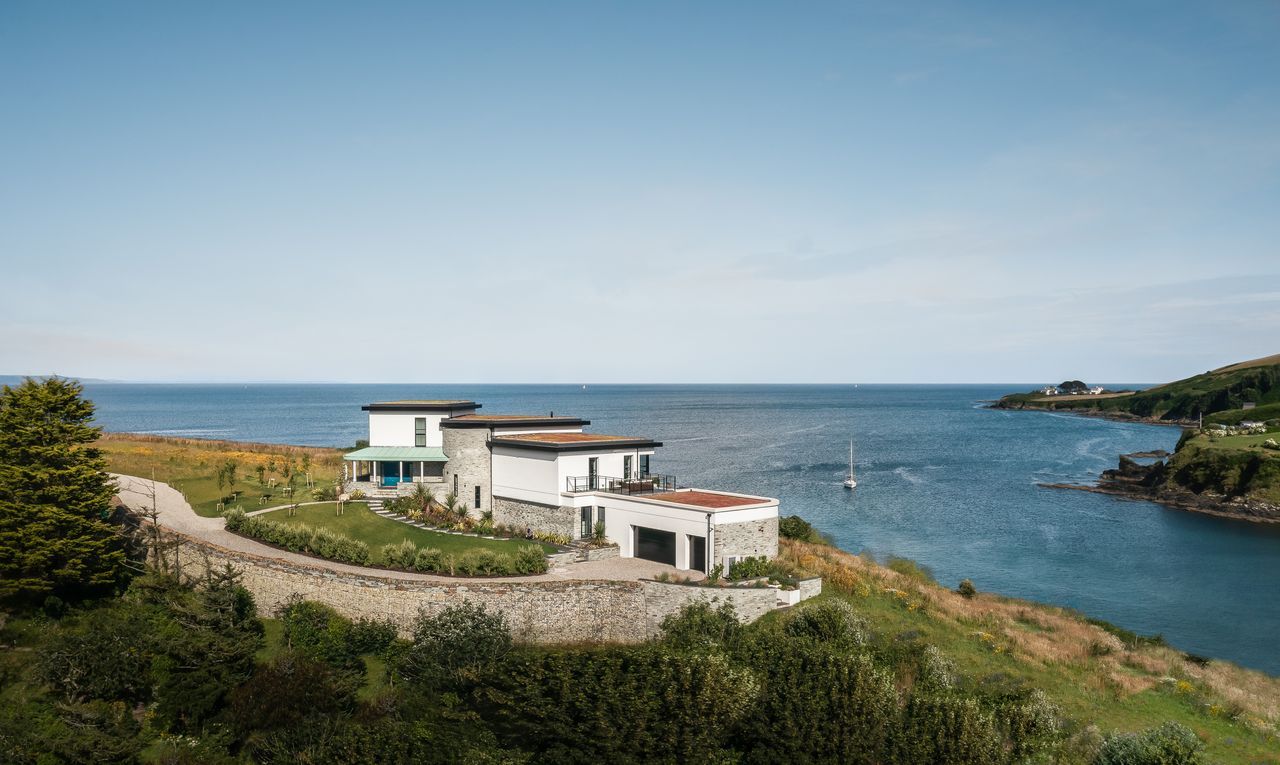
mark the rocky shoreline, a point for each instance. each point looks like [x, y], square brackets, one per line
[1148, 483]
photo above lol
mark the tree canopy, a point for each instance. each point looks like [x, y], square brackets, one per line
[56, 538]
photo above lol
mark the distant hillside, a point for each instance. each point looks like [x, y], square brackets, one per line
[1220, 395]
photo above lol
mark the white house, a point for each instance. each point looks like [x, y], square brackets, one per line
[546, 474]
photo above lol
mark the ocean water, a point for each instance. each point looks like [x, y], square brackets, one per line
[942, 480]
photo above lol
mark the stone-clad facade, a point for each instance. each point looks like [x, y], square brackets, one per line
[521, 515]
[469, 466]
[747, 539]
[538, 609]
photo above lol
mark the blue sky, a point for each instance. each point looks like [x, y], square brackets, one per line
[638, 192]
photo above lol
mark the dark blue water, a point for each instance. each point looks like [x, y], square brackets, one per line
[941, 480]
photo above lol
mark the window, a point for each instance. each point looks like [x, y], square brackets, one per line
[644, 465]
[419, 431]
[729, 562]
[586, 523]
[626, 466]
[455, 484]
[593, 472]
[477, 497]
[599, 515]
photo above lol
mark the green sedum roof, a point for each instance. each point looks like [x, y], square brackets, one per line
[397, 454]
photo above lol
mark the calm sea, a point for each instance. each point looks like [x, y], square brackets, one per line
[941, 480]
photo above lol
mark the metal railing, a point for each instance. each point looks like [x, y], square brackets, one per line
[647, 484]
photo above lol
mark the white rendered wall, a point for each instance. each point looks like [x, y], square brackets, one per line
[526, 475]
[396, 428]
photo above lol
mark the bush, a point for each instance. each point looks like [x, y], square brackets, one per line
[321, 542]
[429, 560]
[698, 625]
[832, 621]
[795, 527]
[1169, 744]
[325, 494]
[234, 518]
[966, 588]
[749, 568]
[400, 554]
[529, 559]
[459, 637]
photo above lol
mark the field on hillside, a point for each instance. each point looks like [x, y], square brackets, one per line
[262, 471]
[1098, 673]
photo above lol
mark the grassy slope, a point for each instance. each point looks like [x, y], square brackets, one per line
[1088, 671]
[190, 465]
[359, 522]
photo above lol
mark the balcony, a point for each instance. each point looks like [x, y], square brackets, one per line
[648, 484]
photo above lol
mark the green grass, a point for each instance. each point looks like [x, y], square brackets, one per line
[1238, 443]
[1043, 647]
[191, 466]
[359, 522]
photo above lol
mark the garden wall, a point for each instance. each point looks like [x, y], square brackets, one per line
[539, 610]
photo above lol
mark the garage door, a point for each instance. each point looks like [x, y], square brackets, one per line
[655, 545]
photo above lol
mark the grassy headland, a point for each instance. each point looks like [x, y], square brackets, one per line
[1219, 395]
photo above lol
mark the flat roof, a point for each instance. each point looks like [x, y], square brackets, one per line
[710, 499]
[432, 405]
[525, 420]
[574, 441]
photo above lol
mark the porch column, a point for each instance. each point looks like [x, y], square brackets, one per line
[400, 467]
[422, 471]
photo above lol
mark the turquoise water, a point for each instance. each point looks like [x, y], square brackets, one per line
[941, 480]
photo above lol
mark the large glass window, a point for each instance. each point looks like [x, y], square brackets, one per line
[626, 466]
[644, 465]
[477, 497]
[586, 523]
[419, 431]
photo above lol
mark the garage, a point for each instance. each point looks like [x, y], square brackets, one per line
[656, 545]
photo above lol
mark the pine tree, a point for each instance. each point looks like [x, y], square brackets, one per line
[55, 496]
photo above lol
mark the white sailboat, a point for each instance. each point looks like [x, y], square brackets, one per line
[850, 481]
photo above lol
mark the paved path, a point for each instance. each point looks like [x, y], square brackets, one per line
[175, 514]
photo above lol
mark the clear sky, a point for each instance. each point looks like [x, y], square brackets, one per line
[638, 192]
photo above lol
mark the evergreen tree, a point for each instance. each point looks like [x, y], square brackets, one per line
[55, 496]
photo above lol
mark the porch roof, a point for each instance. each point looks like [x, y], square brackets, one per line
[397, 454]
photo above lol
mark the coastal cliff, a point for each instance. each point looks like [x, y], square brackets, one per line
[1230, 466]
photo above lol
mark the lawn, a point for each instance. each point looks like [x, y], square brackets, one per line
[359, 522]
[1239, 443]
[191, 466]
[1091, 675]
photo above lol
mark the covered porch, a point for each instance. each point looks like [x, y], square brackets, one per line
[391, 466]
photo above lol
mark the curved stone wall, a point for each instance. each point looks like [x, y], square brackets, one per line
[539, 610]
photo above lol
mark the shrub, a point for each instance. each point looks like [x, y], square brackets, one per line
[234, 519]
[795, 527]
[698, 625]
[357, 494]
[459, 637]
[325, 494]
[400, 554]
[429, 560]
[529, 559]
[749, 568]
[966, 588]
[1169, 744]
[832, 621]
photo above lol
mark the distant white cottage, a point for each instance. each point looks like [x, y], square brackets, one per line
[546, 474]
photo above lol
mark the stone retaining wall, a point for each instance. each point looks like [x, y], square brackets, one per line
[539, 610]
[547, 518]
[747, 539]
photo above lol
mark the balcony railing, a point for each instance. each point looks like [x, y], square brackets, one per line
[640, 485]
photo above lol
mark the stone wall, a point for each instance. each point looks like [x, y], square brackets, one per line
[520, 514]
[664, 598]
[749, 538]
[539, 610]
[469, 459]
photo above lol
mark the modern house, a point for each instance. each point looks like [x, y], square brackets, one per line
[546, 474]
